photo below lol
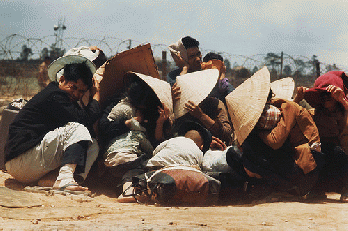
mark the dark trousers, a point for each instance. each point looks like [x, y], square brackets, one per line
[76, 154]
[333, 175]
[277, 167]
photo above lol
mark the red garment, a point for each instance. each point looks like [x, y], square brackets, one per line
[336, 78]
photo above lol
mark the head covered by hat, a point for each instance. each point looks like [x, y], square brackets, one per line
[246, 103]
[205, 134]
[161, 88]
[283, 88]
[336, 78]
[73, 56]
[181, 46]
[194, 87]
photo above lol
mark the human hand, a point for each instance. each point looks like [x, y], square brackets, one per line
[138, 118]
[300, 94]
[179, 61]
[163, 113]
[175, 92]
[193, 109]
[336, 93]
[217, 144]
[96, 84]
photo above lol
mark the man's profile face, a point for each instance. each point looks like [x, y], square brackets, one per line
[194, 57]
[75, 90]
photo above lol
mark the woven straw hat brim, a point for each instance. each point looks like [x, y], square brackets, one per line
[161, 88]
[194, 87]
[245, 104]
[283, 88]
[60, 63]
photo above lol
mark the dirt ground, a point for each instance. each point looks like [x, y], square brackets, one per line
[103, 212]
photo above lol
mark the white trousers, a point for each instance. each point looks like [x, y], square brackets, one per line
[47, 155]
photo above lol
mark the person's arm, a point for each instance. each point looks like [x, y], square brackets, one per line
[62, 110]
[163, 116]
[219, 127]
[222, 127]
[300, 94]
[276, 137]
[95, 90]
[180, 62]
[197, 112]
[338, 94]
[111, 128]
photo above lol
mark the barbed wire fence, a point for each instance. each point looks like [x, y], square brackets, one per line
[28, 53]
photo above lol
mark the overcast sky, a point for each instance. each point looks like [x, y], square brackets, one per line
[246, 27]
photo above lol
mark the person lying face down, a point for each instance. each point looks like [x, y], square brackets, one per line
[186, 149]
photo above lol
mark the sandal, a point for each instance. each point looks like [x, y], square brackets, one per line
[64, 189]
[127, 195]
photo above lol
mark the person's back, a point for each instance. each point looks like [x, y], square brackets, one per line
[176, 151]
[187, 148]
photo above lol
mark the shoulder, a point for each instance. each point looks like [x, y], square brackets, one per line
[171, 78]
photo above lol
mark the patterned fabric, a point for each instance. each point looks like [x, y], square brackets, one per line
[122, 110]
[269, 117]
[128, 146]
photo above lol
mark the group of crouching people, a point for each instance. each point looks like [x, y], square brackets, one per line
[195, 121]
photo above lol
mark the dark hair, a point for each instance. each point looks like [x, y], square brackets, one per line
[189, 42]
[189, 125]
[74, 72]
[211, 56]
[210, 107]
[139, 93]
[270, 95]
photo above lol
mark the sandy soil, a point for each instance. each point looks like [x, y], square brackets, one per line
[103, 212]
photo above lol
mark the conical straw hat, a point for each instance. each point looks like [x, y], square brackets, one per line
[195, 87]
[245, 104]
[283, 88]
[161, 88]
